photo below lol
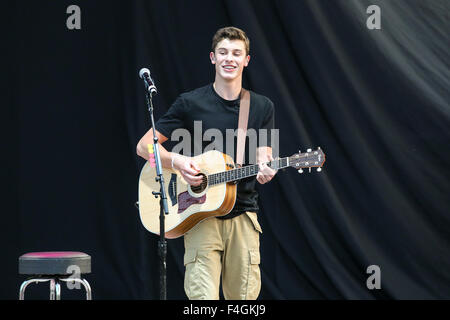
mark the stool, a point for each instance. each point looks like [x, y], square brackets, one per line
[55, 266]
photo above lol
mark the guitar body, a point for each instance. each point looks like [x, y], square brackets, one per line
[187, 205]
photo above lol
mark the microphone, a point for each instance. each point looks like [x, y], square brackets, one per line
[144, 74]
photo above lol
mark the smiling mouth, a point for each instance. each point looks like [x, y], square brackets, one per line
[229, 68]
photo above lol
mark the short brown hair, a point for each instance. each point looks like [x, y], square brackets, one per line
[231, 33]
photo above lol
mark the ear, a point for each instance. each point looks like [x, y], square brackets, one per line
[212, 57]
[247, 60]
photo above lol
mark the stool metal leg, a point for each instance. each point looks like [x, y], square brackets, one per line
[52, 289]
[85, 284]
[88, 289]
[25, 284]
[58, 289]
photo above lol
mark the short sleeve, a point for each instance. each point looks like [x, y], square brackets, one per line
[173, 118]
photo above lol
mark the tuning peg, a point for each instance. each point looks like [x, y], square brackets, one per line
[319, 148]
[319, 169]
[300, 170]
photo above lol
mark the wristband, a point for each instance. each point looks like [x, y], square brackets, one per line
[173, 158]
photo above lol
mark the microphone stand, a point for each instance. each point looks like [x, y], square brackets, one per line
[164, 209]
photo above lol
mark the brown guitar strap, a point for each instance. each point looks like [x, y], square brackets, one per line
[244, 110]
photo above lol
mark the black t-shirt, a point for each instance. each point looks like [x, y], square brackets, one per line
[203, 110]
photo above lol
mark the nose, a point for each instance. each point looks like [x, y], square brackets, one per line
[229, 57]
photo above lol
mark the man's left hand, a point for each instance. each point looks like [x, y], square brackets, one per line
[265, 173]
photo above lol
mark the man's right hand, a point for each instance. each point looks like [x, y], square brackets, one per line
[188, 168]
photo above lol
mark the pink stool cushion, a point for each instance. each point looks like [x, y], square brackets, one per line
[54, 254]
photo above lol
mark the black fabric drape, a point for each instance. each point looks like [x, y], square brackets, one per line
[376, 101]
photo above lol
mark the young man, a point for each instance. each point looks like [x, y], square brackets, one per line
[225, 247]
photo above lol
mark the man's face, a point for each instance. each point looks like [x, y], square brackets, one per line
[229, 58]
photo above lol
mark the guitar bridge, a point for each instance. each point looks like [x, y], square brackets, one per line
[173, 189]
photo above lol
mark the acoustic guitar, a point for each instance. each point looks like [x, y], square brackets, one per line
[215, 196]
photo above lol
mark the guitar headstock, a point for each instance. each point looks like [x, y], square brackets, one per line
[308, 159]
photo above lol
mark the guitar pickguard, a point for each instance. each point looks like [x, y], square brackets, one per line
[185, 200]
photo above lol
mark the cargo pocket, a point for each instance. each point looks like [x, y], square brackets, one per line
[254, 219]
[254, 275]
[190, 256]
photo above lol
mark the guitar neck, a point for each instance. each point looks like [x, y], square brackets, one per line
[245, 172]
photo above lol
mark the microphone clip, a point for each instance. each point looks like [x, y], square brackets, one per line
[150, 87]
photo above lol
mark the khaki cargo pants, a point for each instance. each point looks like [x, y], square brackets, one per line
[229, 248]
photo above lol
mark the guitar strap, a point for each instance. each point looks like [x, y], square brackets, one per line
[244, 109]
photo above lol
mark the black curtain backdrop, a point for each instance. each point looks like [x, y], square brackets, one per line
[376, 101]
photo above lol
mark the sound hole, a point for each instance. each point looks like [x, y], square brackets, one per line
[200, 188]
